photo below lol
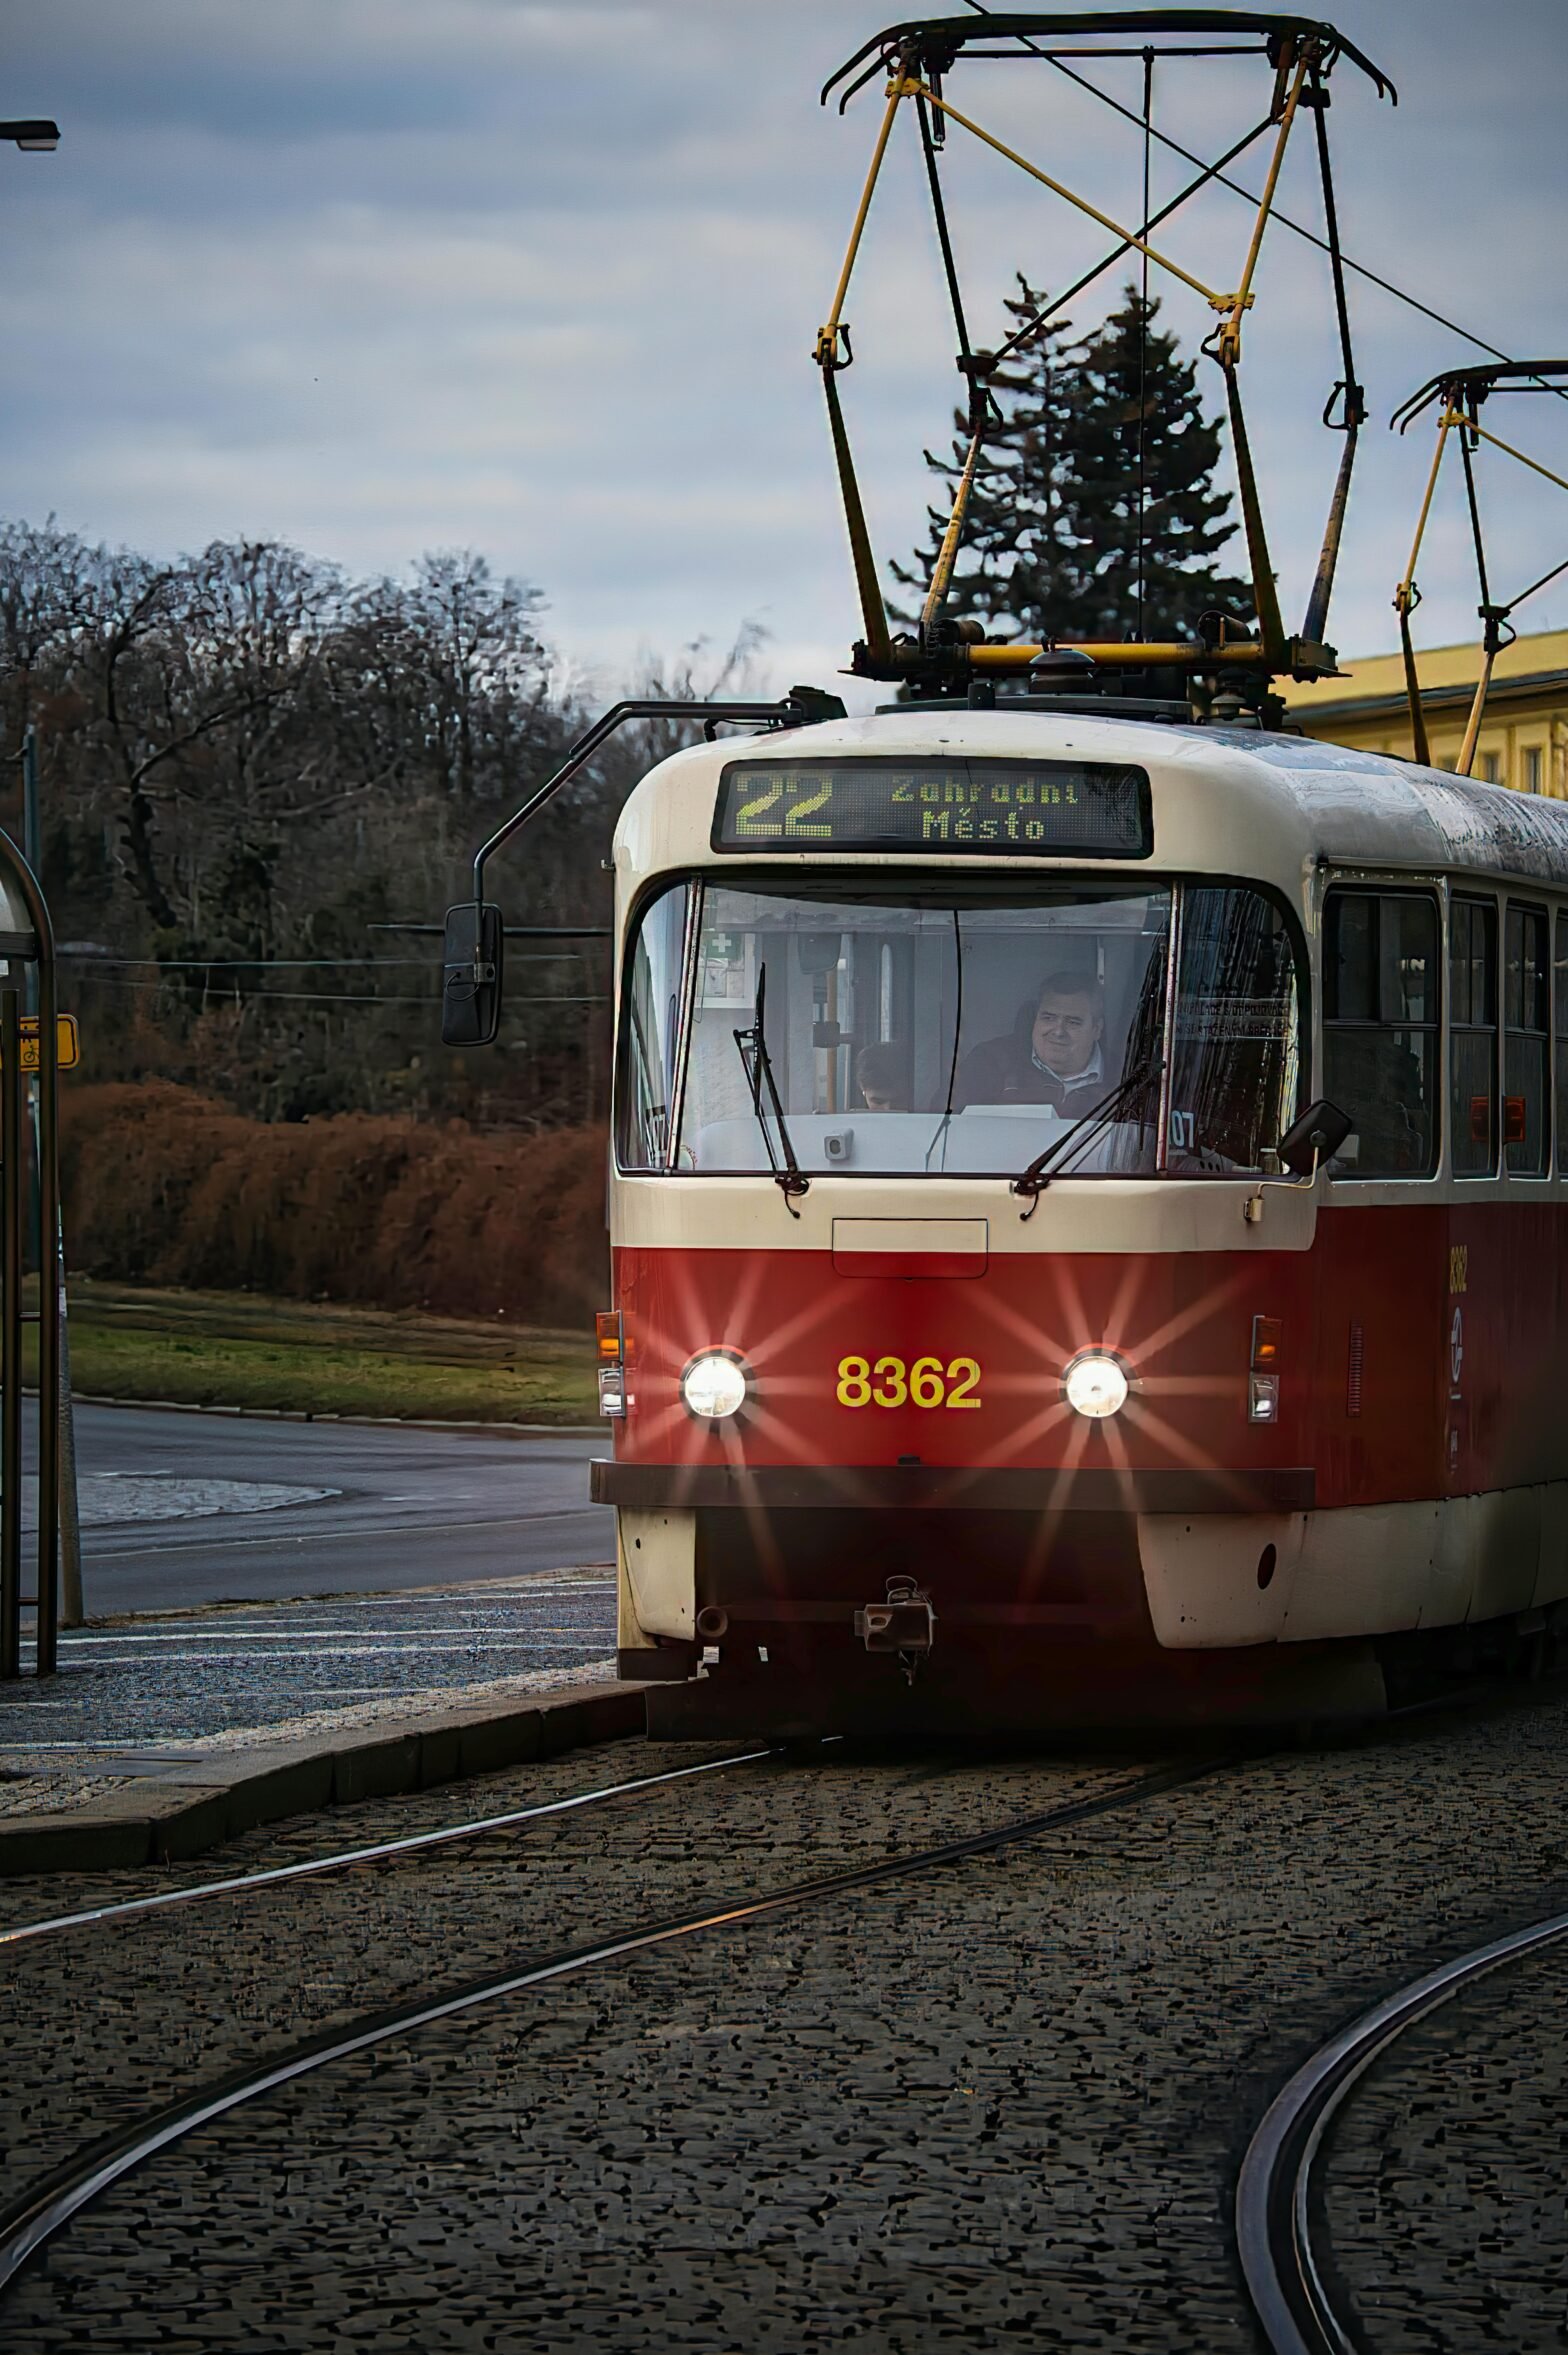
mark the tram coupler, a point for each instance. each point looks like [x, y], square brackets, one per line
[905, 1623]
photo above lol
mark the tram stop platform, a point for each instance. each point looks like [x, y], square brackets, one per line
[161, 1736]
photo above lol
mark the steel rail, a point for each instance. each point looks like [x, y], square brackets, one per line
[27, 2225]
[476, 1828]
[1273, 2190]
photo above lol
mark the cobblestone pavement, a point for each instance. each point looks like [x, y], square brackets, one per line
[1443, 2195]
[219, 1671]
[1004, 2101]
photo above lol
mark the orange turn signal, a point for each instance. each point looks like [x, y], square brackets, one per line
[1267, 1333]
[611, 1329]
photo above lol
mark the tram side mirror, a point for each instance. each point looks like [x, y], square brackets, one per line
[818, 952]
[1315, 1138]
[471, 978]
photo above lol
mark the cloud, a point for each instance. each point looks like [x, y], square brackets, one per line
[543, 280]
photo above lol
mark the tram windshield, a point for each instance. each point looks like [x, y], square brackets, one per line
[950, 1029]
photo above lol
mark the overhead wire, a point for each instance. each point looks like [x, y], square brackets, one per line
[1373, 278]
[331, 997]
[1031, 327]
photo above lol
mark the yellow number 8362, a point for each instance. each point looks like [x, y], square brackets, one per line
[889, 1382]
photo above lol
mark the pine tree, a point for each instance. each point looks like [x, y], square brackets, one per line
[1051, 545]
[1017, 563]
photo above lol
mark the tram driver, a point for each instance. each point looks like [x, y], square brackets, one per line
[881, 1074]
[1054, 1058]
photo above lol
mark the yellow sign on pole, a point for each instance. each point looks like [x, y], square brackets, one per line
[67, 1038]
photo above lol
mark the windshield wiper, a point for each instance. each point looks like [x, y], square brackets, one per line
[757, 1064]
[1034, 1180]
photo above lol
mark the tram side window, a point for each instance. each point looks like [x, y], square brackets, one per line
[1472, 1000]
[1235, 1062]
[1527, 1140]
[649, 1032]
[1380, 1029]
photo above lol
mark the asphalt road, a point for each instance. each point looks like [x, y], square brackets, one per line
[183, 1509]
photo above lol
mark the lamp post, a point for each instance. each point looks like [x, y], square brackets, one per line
[37, 135]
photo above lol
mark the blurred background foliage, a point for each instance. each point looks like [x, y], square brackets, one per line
[251, 764]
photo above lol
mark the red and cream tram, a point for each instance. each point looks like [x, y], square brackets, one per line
[1006, 1329]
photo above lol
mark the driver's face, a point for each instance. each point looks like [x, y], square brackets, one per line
[1066, 1031]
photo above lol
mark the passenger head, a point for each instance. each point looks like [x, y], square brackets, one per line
[879, 1075]
[1069, 1022]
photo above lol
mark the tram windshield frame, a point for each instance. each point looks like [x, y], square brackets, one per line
[958, 1025]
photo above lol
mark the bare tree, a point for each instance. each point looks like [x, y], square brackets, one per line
[251, 762]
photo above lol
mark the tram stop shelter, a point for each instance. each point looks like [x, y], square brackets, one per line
[27, 969]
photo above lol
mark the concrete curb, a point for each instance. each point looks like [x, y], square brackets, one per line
[165, 1817]
[300, 1414]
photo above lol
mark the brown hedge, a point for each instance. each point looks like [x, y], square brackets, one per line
[164, 1186]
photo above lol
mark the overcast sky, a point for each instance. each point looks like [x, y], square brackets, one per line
[375, 276]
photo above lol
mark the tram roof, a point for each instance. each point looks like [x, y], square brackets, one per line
[1353, 808]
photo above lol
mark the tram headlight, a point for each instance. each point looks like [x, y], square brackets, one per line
[714, 1385]
[1095, 1384]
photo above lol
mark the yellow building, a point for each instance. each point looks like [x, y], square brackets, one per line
[1524, 735]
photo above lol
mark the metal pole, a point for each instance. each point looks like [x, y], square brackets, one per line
[32, 848]
[73, 1612]
[48, 1299]
[70, 1517]
[33, 855]
[10, 1334]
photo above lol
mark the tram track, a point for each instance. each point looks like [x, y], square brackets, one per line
[376, 1852]
[1282, 2254]
[1066, 1936]
[30, 2223]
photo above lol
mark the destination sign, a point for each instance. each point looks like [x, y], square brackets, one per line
[986, 808]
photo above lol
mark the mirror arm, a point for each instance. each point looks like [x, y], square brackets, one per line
[796, 710]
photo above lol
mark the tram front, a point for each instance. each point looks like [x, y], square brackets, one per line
[955, 1053]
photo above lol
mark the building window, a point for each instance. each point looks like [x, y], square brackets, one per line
[1472, 1000]
[1380, 1034]
[1489, 768]
[1534, 769]
[1527, 1143]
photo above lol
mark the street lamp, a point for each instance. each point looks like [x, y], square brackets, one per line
[37, 138]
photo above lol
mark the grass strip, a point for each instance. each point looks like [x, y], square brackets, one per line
[545, 1378]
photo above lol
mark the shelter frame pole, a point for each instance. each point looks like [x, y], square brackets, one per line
[48, 1294]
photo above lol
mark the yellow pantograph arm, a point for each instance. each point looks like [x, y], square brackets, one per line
[1123, 654]
[1509, 451]
[1405, 595]
[827, 338]
[1216, 302]
[1406, 589]
[1230, 333]
[947, 554]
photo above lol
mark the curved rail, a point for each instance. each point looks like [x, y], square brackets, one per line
[28, 2225]
[474, 1829]
[1273, 2220]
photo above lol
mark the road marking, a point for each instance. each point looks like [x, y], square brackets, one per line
[333, 1536]
[408, 1636]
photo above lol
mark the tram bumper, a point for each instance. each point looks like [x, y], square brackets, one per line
[1049, 1609]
